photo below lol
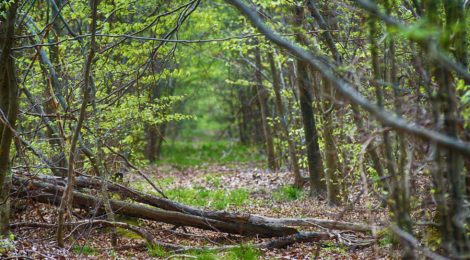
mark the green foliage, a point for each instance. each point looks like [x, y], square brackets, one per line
[287, 193]
[330, 247]
[386, 237]
[419, 31]
[126, 233]
[432, 238]
[6, 244]
[219, 199]
[204, 255]
[213, 180]
[157, 251]
[465, 101]
[4, 6]
[191, 154]
[144, 186]
[243, 252]
[85, 250]
[112, 253]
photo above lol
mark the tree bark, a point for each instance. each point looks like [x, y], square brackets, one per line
[29, 186]
[449, 178]
[263, 96]
[8, 110]
[314, 160]
[332, 170]
[67, 196]
[298, 180]
[48, 193]
[347, 91]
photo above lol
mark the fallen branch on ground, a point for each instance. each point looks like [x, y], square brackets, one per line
[235, 217]
[281, 242]
[49, 193]
[48, 189]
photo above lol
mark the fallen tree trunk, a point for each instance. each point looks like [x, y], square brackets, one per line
[138, 230]
[235, 217]
[280, 242]
[49, 193]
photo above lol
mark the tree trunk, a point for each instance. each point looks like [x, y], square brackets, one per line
[332, 170]
[54, 97]
[9, 111]
[67, 196]
[449, 176]
[399, 186]
[243, 117]
[152, 140]
[160, 140]
[457, 25]
[298, 180]
[314, 160]
[48, 193]
[263, 96]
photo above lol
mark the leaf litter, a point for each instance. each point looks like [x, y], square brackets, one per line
[95, 243]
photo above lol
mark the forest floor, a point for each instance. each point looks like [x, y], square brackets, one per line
[235, 187]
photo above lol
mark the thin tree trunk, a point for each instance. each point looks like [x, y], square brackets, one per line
[457, 25]
[376, 70]
[400, 186]
[54, 98]
[263, 96]
[298, 180]
[243, 116]
[449, 175]
[332, 170]
[160, 139]
[152, 139]
[400, 203]
[67, 196]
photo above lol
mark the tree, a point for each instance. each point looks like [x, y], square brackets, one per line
[263, 95]
[8, 106]
[314, 159]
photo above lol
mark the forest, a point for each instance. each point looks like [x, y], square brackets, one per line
[234, 129]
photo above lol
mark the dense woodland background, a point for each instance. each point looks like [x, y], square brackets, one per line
[234, 129]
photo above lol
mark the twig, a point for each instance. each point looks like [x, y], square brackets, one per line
[348, 91]
[415, 243]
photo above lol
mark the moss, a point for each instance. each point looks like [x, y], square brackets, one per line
[126, 233]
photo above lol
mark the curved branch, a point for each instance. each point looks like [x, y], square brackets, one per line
[348, 91]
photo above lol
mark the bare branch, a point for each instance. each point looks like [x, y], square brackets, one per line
[348, 91]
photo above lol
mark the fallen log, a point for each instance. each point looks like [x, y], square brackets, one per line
[235, 217]
[45, 192]
[138, 230]
[280, 242]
